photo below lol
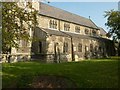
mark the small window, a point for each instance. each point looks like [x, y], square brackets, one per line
[96, 48]
[100, 49]
[53, 24]
[40, 47]
[79, 47]
[91, 47]
[86, 31]
[77, 29]
[66, 26]
[93, 32]
[65, 47]
[50, 24]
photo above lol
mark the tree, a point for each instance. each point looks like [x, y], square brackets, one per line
[113, 24]
[14, 21]
[0, 40]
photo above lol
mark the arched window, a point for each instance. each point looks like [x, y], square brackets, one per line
[50, 23]
[66, 26]
[79, 47]
[77, 29]
[91, 47]
[96, 48]
[65, 47]
[93, 32]
[40, 47]
[86, 31]
[100, 48]
[53, 24]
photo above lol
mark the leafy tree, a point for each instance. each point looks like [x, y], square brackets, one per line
[16, 22]
[113, 24]
[0, 29]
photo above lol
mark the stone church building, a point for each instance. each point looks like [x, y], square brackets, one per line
[63, 36]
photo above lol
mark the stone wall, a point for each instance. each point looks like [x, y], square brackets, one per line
[54, 53]
[14, 57]
[44, 23]
[57, 50]
[52, 45]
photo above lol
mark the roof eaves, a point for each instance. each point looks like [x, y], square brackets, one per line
[94, 24]
[68, 21]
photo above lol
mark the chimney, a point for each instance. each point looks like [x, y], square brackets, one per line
[89, 17]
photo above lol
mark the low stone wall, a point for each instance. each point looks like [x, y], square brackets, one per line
[47, 58]
[51, 58]
[14, 57]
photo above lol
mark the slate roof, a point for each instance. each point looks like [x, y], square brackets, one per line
[102, 31]
[65, 15]
[68, 34]
[53, 32]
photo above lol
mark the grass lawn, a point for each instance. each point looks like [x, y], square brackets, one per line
[99, 73]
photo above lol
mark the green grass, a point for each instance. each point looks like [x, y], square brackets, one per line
[99, 73]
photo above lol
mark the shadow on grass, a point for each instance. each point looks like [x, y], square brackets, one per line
[45, 81]
[90, 73]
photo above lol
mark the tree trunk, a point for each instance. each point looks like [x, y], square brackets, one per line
[9, 55]
[9, 58]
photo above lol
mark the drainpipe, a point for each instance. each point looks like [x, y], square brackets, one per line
[72, 49]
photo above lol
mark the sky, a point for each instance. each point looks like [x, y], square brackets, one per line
[95, 10]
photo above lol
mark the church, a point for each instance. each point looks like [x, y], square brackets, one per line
[63, 37]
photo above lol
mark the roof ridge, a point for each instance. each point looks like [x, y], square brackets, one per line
[64, 10]
[58, 13]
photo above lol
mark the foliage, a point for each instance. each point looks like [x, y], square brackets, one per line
[14, 24]
[0, 28]
[113, 23]
[100, 73]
